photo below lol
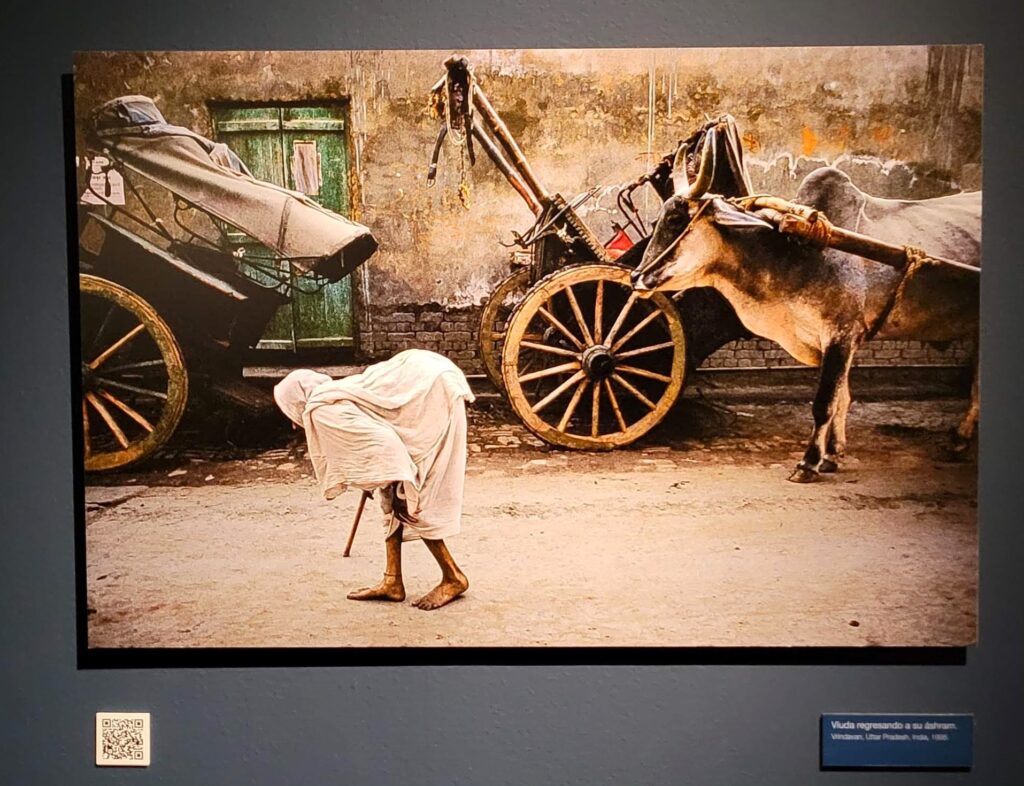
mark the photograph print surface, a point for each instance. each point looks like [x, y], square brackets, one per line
[529, 348]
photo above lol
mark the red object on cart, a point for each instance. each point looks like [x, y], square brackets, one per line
[619, 244]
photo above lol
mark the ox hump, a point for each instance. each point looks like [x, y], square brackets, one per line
[831, 191]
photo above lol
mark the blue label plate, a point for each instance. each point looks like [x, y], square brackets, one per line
[860, 741]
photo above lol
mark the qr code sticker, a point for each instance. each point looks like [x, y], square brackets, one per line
[122, 739]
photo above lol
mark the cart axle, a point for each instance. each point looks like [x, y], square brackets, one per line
[598, 362]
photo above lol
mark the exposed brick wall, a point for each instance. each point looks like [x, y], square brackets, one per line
[455, 333]
[759, 352]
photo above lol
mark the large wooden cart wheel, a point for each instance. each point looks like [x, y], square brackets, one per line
[134, 384]
[588, 363]
[494, 321]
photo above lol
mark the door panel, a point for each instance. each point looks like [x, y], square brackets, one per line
[302, 148]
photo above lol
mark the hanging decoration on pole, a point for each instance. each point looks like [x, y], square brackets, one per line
[451, 101]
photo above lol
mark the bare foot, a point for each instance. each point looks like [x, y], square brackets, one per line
[389, 589]
[444, 593]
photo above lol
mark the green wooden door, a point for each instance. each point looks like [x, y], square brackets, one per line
[302, 148]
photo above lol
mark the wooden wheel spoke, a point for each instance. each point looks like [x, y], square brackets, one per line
[578, 313]
[494, 321]
[137, 391]
[621, 317]
[540, 405]
[98, 336]
[556, 387]
[636, 393]
[615, 406]
[116, 346]
[531, 361]
[636, 329]
[113, 383]
[550, 372]
[137, 417]
[549, 349]
[86, 438]
[643, 372]
[108, 419]
[644, 350]
[553, 320]
[134, 366]
[573, 403]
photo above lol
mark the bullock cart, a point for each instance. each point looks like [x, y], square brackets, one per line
[184, 259]
[584, 362]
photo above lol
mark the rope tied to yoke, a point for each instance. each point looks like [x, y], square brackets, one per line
[819, 229]
[808, 223]
[812, 226]
[916, 258]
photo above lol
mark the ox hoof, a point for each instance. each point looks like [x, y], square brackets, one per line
[828, 466]
[958, 448]
[959, 444]
[804, 475]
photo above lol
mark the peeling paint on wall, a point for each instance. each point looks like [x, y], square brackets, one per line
[903, 121]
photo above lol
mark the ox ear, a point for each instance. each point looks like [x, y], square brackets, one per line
[728, 215]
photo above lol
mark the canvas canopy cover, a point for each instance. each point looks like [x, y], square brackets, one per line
[208, 175]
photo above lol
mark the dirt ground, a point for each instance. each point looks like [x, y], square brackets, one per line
[692, 538]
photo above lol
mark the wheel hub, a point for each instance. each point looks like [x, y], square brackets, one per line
[88, 379]
[598, 362]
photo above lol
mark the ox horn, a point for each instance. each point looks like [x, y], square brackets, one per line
[706, 171]
[679, 175]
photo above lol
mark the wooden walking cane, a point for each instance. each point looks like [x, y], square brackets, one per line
[355, 523]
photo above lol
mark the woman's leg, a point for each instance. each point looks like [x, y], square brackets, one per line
[391, 587]
[453, 580]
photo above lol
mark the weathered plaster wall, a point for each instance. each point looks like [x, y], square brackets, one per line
[905, 121]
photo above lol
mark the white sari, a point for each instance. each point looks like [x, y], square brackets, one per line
[401, 420]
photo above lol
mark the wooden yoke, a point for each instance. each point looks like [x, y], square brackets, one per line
[812, 225]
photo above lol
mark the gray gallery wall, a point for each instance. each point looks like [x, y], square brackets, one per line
[730, 723]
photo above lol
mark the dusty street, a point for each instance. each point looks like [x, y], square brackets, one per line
[692, 538]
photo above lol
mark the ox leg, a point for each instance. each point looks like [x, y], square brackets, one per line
[835, 445]
[835, 369]
[965, 430]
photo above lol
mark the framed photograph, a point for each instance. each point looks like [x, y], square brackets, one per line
[542, 349]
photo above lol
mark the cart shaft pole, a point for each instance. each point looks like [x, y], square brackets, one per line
[504, 136]
[503, 166]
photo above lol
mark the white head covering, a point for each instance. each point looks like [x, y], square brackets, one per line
[402, 420]
[293, 392]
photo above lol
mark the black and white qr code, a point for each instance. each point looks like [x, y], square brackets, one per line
[122, 739]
